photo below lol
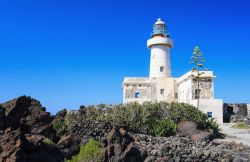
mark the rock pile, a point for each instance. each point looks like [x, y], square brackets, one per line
[121, 147]
[79, 133]
[26, 131]
[176, 148]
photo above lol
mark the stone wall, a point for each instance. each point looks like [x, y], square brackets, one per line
[206, 87]
[131, 86]
[143, 89]
[233, 112]
[149, 90]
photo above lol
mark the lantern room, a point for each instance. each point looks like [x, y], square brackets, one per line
[159, 28]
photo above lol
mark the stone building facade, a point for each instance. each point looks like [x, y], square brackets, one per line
[160, 86]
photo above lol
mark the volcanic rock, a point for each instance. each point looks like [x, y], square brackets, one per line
[121, 147]
[26, 125]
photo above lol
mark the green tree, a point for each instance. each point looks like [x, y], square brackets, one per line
[197, 61]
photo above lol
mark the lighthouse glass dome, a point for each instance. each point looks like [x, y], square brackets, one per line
[159, 29]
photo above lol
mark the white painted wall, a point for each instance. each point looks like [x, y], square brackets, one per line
[185, 91]
[211, 105]
[206, 105]
[160, 57]
[168, 85]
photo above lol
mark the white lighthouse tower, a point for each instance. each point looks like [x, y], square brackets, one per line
[160, 86]
[160, 45]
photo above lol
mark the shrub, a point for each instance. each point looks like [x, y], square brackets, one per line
[59, 124]
[164, 127]
[211, 124]
[92, 113]
[90, 152]
[159, 119]
[69, 119]
[184, 112]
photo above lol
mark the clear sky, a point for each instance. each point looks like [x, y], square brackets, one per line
[68, 53]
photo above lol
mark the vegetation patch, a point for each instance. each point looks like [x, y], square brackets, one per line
[47, 141]
[59, 124]
[157, 119]
[164, 127]
[241, 125]
[90, 152]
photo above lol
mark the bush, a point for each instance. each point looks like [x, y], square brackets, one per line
[69, 119]
[211, 124]
[91, 152]
[157, 119]
[183, 112]
[59, 124]
[164, 127]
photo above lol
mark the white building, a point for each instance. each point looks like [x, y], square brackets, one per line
[160, 86]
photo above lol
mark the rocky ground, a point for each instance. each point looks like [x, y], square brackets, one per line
[26, 130]
[27, 135]
[184, 149]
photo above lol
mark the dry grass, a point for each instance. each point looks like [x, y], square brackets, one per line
[187, 128]
[240, 125]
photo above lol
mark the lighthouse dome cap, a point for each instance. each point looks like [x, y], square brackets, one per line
[159, 22]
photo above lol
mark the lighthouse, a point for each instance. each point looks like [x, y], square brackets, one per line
[160, 86]
[160, 44]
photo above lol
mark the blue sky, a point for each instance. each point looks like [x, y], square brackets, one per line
[72, 53]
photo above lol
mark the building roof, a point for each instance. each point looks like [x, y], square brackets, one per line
[159, 22]
[190, 74]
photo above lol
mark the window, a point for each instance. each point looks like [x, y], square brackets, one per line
[162, 91]
[176, 95]
[161, 69]
[209, 114]
[197, 93]
[137, 94]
